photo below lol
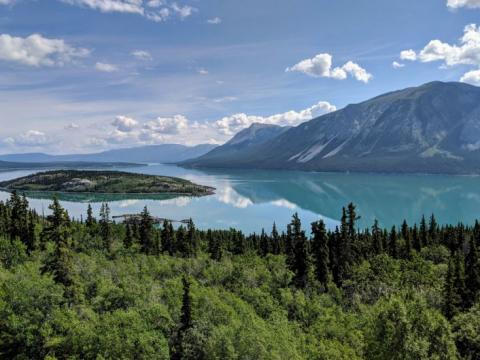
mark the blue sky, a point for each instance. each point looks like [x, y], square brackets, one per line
[87, 75]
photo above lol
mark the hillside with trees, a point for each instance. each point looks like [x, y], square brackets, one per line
[92, 289]
[104, 182]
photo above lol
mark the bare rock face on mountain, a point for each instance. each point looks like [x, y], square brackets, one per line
[433, 128]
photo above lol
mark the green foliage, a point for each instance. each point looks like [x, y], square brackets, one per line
[181, 292]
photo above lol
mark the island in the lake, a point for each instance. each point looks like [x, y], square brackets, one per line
[104, 182]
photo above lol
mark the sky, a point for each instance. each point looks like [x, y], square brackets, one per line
[81, 76]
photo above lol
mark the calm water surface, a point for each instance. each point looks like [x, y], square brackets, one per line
[251, 200]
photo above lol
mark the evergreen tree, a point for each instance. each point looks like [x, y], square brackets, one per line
[289, 248]
[214, 246]
[276, 241]
[472, 274]
[90, 221]
[344, 255]
[423, 232]
[192, 244]
[417, 242]
[146, 232]
[301, 265]
[58, 231]
[377, 238]
[320, 252]
[168, 238]
[454, 289]
[238, 242]
[186, 322]
[128, 240]
[264, 244]
[105, 227]
[433, 230]
[393, 243]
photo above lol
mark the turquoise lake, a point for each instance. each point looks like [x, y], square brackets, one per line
[251, 200]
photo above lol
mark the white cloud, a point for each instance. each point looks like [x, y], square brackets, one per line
[230, 125]
[104, 67]
[155, 10]
[455, 4]
[6, 2]
[321, 66]
[31, 138]
[471, 77]
[36, 50]
[410, 55]
[183, 11]
[125, 123]
[397, 65]
[203, 71]
[123, 6]
[214, 21]
[168, 125]
[466, 52]
[142, 55]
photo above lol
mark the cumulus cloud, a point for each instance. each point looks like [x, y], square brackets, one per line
[203, 71]
[230, 125]
[321, 66]
[471, 77]
[466, 52]
[155, 10]
[455, 4]
[31, 138]
[397, 65]
[168, 125]
[214, 21]
[410, 55]
[179, 129]
[36, 50]
[105, 67]
[142, 55]
[124, 123]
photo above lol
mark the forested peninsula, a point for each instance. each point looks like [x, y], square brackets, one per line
[104, 182]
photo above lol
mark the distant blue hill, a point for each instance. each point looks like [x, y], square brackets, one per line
[433, 128]
[165, 153]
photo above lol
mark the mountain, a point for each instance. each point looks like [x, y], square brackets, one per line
[166, 153]
[433, 128]
[241, 145]
[8, 165]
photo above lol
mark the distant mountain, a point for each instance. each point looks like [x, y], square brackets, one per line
[8, 165]
[433, 128]
[239, 147]
[166, 153]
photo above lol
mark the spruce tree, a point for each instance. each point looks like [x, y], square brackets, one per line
[276, 241]
[417, 243]
[58, 231]
[301, 265]
[128, 240]
[377, 238]
[214, 246]
[186, 322]
[433, 230]
[423, 233]
[105, 227]
[393, 243]
[472, 274]
[320, 252]
[90, 221]
[192, 241]
[264, 244]
[146, 232]
[344, 256]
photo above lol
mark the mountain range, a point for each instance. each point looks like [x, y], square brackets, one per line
[433, 128]
[165, 153]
